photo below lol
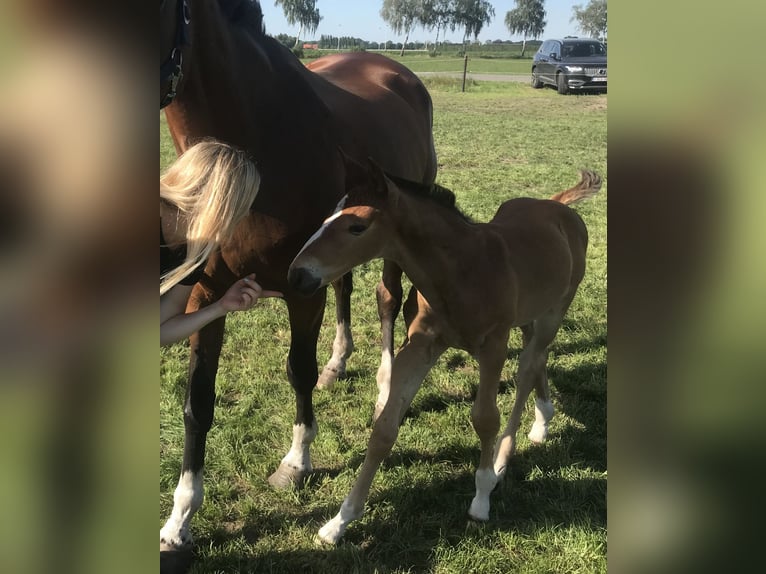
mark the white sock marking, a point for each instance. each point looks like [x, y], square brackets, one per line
[485, 482]
[543, 414]
[333, 530]
[299, 455]
[187, 499]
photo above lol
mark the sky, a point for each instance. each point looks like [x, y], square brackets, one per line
[361, 19]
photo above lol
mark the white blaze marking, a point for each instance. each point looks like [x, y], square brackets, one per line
[318, 232]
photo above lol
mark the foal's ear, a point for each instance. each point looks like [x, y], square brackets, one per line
[377, 177]
[356, 173]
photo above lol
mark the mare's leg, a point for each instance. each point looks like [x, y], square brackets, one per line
[531, 374]
[198, 417]
[389, 296]
[343, 345]
[410, 367]
[305, 321]
[486, 422]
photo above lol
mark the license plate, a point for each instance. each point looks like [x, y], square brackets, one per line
[599, 79]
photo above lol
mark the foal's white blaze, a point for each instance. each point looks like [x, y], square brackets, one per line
[338, 212]
[299, 456]
[543, 415]
[485, 482]
[186, 500]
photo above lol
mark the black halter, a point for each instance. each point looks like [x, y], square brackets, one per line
[171, 69]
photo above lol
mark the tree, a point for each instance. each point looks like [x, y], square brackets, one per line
[471, 15]
[303, 12]
[527, 19]
[403, 16]
[591, 20]
[439, 14]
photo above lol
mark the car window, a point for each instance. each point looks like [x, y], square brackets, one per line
[583, 49]
[556, 49]
[544, 48]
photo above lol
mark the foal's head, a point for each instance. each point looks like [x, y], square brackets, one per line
[357, 232]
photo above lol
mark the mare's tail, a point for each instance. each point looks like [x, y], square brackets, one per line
[590, 183]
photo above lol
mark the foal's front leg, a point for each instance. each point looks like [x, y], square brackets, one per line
[410, 367]
[485, 418]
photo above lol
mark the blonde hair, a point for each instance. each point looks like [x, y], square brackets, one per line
[213, 185]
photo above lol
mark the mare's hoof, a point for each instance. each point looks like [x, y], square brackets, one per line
[287, 477]
[175, 561]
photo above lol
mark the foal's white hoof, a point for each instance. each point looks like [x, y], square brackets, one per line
[178, 543]
[479, 510]
[539, 433]
[329, 534]
[326, 380]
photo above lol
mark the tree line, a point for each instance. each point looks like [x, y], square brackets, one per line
[469, 16]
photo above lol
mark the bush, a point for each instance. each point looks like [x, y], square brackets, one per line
[298, 51]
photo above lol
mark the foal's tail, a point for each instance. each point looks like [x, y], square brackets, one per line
[590, 183]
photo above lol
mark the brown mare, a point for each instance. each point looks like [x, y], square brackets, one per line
[223, 77]
[472, 284]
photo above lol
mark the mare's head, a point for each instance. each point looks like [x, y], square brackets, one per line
[356, 233]
[212, 18]
[175, 23]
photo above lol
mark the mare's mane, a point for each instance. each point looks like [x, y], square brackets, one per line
[434, 192]
[246, 12]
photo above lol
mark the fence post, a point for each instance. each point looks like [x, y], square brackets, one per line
[465, 70]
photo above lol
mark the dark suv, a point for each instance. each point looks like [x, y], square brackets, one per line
[571, 64]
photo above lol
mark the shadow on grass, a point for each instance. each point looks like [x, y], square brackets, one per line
[404, 525]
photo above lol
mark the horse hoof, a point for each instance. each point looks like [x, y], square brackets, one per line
[287, 477]
[538, 434]
[327, 379]
[183, 544]
[175, 561]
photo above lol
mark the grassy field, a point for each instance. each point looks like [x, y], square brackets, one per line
[494, 142]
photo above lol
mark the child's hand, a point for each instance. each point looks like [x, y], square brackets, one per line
[244, 294]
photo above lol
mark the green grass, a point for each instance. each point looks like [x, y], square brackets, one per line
[494, 142]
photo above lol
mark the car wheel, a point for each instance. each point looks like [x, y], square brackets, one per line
[561, 83]
[536, 83]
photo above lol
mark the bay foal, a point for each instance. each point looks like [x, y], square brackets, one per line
[473, 283]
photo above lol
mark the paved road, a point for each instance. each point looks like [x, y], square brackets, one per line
[481, 77]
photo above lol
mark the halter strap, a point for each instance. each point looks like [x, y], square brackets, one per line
[172, 68]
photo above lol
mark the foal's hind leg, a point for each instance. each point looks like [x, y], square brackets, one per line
[198, 418]
[389, 295]
[343, 345]
[543, 405]
[531, 375]
[305, 321]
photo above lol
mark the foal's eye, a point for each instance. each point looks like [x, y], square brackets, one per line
[357, 229]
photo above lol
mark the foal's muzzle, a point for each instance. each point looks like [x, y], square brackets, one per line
[303, 281]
